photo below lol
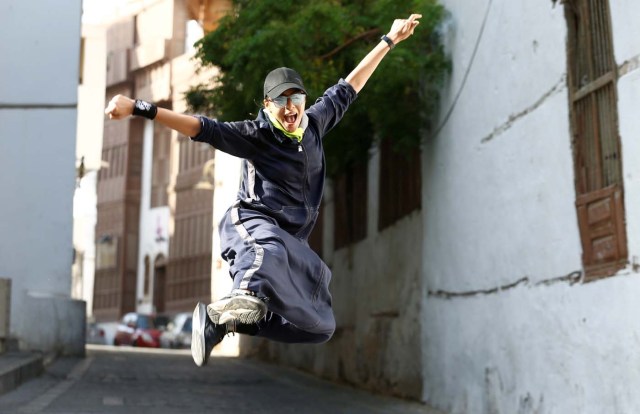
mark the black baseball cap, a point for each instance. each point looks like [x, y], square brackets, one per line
[281, 79]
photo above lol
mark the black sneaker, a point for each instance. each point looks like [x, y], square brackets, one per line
[240, 306]
[205, 335]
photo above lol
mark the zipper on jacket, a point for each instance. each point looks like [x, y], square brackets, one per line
[304, 187]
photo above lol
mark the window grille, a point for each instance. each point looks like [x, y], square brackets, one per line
[400, 184]
[160, 174]
[350, 195]
[592, 78]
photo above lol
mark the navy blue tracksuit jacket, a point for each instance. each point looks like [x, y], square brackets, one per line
[264, 233]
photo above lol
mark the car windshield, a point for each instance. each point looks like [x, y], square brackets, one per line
[187, 325]
[145, 322]
[161, 321]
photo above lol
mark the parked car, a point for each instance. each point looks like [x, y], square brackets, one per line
[95, 334]
[178, 333]
[161, 321]
[137, 329]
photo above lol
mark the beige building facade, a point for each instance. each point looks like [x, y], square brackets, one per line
[153, 233]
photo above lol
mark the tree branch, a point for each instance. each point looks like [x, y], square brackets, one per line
[364, 35]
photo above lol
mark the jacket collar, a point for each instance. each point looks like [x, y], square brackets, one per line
[264, 121]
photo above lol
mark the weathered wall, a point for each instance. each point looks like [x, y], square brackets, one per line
[376, 288]
[38, 107]
[627, 54]
[504, 329]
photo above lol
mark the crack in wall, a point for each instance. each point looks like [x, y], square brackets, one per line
[624, 68]
[572, 278]
[7, 105]
[558, 87]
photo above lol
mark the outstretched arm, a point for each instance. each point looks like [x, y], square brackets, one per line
[400, 30]
[121, 107]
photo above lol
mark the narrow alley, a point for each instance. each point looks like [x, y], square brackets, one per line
[131, 380]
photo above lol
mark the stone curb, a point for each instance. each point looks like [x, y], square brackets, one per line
[17, 368]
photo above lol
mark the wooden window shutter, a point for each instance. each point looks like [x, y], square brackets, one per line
[592, 78]
[400, 184]
[350, 195]
[160, 174]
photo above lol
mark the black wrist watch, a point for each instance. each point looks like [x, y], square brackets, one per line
[389, 41]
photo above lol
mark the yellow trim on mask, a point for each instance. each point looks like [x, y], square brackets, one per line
[297, 134]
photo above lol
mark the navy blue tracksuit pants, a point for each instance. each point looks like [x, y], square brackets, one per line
[271, 262]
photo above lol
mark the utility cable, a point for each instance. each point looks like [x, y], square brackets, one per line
[466, 74]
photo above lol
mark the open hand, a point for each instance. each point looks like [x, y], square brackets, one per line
[403, 28]
[119, 107]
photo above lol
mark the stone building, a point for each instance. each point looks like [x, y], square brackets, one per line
[153, 232]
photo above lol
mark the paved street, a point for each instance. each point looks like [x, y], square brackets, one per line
[127, 380]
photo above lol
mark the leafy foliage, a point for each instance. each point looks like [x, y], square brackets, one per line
[324, 40]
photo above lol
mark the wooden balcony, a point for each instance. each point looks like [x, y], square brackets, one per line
[208, 12]
[146, 54]
[117, 67]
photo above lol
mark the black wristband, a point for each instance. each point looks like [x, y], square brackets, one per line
[145, 109]
[389, 41]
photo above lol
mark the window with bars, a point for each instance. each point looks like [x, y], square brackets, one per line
[350, 195]
[188, 269]
[160, 173]
[107, 254]
[147, 275]
[115, 158]
[592, 80]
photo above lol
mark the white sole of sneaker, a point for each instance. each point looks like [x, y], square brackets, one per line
[197, 334]
[244, 309]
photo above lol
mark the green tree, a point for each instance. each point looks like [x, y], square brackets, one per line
[324, 40]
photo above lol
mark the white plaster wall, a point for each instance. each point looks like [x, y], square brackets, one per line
[486, 175]
[91, 99]
[627, 54]
[547, 349]
[376, 289]
[90, 121]
[38, 98]
[227, 173]
[48, 64]
[625, 32]
[85, 216]
[376, 292]
[629, 124]
[498, 199]
[37, 159]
